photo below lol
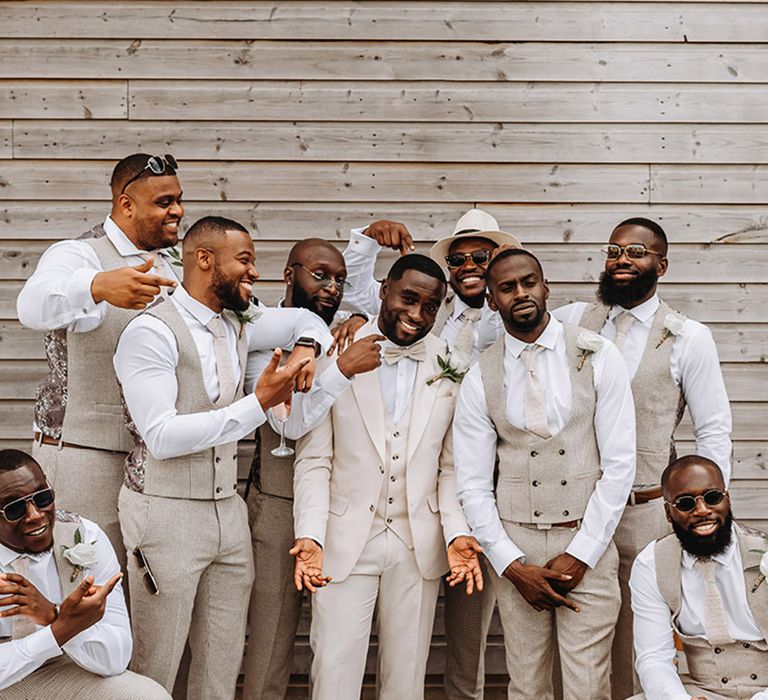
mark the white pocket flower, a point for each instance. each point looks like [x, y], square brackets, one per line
[589, 341]
[82, 555]
[764, 564]
[674, 324]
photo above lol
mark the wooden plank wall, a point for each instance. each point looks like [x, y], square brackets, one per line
[306, 118]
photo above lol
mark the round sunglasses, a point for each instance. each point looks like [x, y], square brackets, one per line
[157, 165]
[478, 257]
[686, 504]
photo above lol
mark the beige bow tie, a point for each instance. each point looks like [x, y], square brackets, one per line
[395, 353]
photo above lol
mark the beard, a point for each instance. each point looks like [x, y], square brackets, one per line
[709, 546]
[529, 323]
[300, 299]
[228, 291]
[613, 294]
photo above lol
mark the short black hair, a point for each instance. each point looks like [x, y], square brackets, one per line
[687, 461]
[651, 225]
[15, 459]
[418, 262]
[210, 226]
[508, 253]
[132, 167]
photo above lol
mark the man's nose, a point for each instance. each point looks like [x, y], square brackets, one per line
[701, 507]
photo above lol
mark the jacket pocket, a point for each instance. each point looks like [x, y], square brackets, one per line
[337, 505]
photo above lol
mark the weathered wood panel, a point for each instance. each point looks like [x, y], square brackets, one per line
[63, 99]
[446, 143]
[546, 223]
[411, 182]
[709, 183]
[362, 60]
[6, 139]
[717, 303]
[480, 21]
[689, 263]
[447, 102]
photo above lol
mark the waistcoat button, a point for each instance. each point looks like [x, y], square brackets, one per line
[717, 650]
[218, 489]
[533, 453]
[565, 512]
[371, 509]
[563, 482]
[535, 482]
[218, 459]
[397, 434]
[753, 676]
[561, 451]
[746, 645]
[395, 457]
[536, 513]
[390, 500]
[723, 680]
[389, 520]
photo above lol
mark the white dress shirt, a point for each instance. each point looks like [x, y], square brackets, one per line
[58, 294]
[360, 257]
[694, 366]
[474, 443]
[397, 381]
[654, 643]
[104, 648]
[145, 363]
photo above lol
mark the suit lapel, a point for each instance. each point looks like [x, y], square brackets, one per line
[751, 548]
[367, 392]
[423, 396]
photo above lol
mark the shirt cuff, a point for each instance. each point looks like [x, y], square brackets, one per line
[250, 410]
[362, 244]
[41, 645]
[586, 549]
[333, 381]
[503, 554]
[79, 292]
[318, 540]
[459, 533]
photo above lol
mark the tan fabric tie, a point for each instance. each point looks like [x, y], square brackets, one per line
[21, 625]
[623, 323]
[465, 338]
[535, 398]
[395, 353]
[714, 613]
[221, 356]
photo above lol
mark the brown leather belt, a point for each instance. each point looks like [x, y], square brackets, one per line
[638, 498]
[42, 439]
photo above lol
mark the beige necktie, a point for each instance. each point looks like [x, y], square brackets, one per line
[395, 353]
[714, 613]
[535, 398]
[21, 625]
[623, 323]
[224, 369]
[465, 337]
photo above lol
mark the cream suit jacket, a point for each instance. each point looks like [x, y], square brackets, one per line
[339, 471]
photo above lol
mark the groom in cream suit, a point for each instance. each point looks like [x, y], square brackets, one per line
[375, 508]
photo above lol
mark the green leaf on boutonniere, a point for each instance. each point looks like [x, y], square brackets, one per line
[78, 536]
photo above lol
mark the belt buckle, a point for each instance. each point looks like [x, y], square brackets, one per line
[632, 498]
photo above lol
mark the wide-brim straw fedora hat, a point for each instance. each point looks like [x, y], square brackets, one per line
[475, 223]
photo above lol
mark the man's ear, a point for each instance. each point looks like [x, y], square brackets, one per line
[288, 274]
[126, 206]
[666, 512]
[661, 268]
[204, 258]
[491, 302]
[546, 290]
[383, 289]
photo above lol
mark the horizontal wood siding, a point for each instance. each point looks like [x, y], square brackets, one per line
[309, 118]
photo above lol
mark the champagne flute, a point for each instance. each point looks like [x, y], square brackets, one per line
[281, 413]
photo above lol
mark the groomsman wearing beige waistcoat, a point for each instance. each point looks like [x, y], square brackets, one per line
[64, 631]
[705, 583]
[552, 402]
[672, 361]
[375, 506]
[467, 324]
[181, 367]
[315, 279]
[82, 294]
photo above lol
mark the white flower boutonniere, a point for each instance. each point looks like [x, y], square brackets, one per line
[248, 316]
[673, 325]
[82, 555]
[453, 366]
[763, 566]
[173, 254]
[588, 342]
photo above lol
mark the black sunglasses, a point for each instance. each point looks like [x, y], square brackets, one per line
[479, 257]
[16, 510]
[157, 165]
[686, 504]
[149, 579]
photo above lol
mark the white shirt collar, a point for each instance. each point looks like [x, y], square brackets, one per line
[8, 555]
[200, 311]
[460, 306]
[124, 245]
[642, 312]
[548, 338]
[724, 558]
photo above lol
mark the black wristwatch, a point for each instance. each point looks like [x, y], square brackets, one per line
[307, 342]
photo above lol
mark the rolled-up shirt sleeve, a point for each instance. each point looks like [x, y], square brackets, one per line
[360, 258]
[474, 447]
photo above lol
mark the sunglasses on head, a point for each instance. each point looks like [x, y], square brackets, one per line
[16, 510]
[633, 250]
[686, 504]
[157, 165]
[478, 257]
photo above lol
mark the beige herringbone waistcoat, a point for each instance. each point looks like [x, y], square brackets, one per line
[659, 402]
[207, 475]
[735, 670]
[544, 481]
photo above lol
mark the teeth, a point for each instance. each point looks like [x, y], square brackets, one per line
[705, 528]
[471, 278]
[39, 531]
[408, 326]
[247, 285]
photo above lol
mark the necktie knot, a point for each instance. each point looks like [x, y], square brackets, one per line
[706, 567]
[395, 353]
[528, 356]
[471, 315]
[216, 326]
[623, 323]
